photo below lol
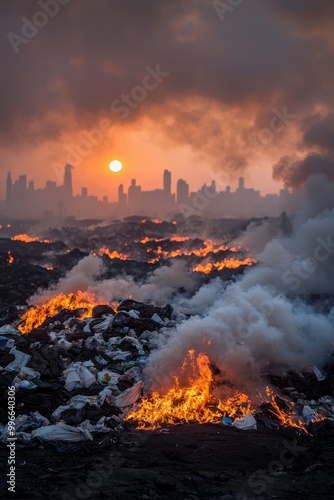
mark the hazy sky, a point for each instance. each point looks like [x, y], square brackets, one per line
[203, 88]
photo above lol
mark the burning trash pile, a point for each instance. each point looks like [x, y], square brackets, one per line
[77, 367]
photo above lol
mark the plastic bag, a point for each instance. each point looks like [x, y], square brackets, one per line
[245, 423]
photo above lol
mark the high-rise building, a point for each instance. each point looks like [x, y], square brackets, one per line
[241, 183]
[134, 197]
[167, 182]
[182, 192]
[20, 189]
[68, 189]
[121, 198]
[9, 190]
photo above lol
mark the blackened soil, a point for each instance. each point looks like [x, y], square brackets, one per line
[191, 462]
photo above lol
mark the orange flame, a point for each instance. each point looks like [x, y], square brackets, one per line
[10, 258]
[178, 238]
[36, 316]
[228, 263]
[209, 247]
[285, 419]
[112, 254]
[28, 239]
[192, 403]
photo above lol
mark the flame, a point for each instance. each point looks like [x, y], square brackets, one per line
[285, 419]
[228, 263]
[10, 258]
[209, 247]
[36, 316]
[192, 403]
[28, 239]
[112, 254]
[155, 221]
[178, 238]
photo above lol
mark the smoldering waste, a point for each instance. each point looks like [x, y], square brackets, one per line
[80, 378]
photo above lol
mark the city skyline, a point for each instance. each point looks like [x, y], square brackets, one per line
[23, 200]
[183, 86]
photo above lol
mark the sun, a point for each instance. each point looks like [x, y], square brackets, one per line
[115, 166]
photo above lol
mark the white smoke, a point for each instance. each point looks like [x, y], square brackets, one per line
[80, 277]
[261, 322]
[159, 287]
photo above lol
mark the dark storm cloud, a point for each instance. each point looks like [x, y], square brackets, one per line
[92, 52]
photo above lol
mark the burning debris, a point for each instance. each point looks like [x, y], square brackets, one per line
[28, 239]
[225, 352]
[78, 369]
[219, 266]
[112, 254]
[10, 259]
[83, 302]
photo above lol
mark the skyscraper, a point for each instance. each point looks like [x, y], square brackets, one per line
[241, 183]
[9, 190]
[121, 197]
[68, 189]
[182, 192]
[134, 197]
[167, 182]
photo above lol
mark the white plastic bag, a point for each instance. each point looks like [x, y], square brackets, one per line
[245, 423]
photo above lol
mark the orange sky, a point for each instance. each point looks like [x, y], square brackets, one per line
[185, 86]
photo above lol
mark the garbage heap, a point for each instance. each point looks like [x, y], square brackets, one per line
[81, 373]
[76, 378]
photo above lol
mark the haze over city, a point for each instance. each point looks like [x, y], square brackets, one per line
[59, 202]
[194, 87]
[167, 249]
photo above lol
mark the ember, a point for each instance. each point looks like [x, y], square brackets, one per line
[28, 239]
[228, 263]
[10, 258]
[209, 247]
[112, 254]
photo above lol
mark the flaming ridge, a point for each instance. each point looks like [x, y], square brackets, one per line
[210, 247]
[228, 263]
[112, 254]
[35, 317]
[28, 239]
